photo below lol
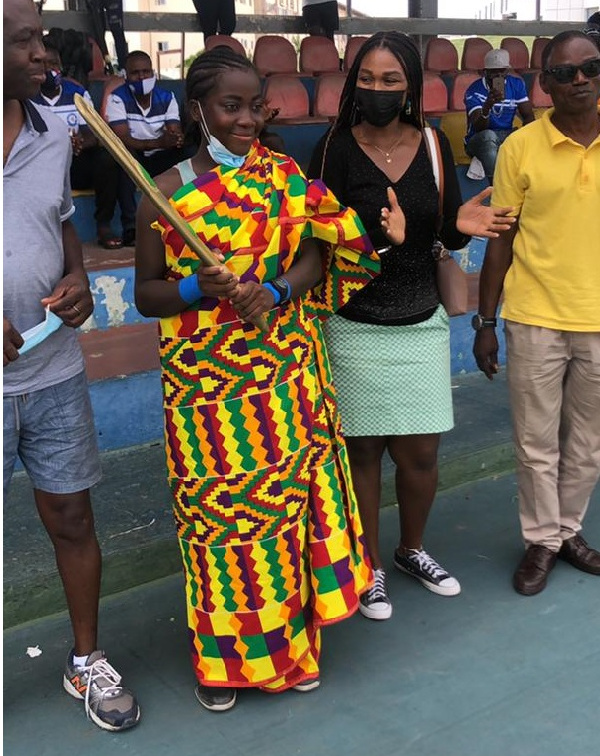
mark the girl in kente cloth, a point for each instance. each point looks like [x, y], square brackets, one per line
[268, 526]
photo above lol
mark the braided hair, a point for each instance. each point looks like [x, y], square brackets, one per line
[406, 53]
[203, 76]
[204, 73]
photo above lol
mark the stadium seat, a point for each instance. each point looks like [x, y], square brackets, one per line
[353, 45]
[539, 43]
[435, 94]
[328, 92]
[454, 126]
[441, 56]
[461, 83]
[275, 55]
[318, 55]
[288, 95]
[215, 40]
[474, 52]
[539, 99]
[518, 52]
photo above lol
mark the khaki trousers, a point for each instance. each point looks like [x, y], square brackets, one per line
[554, 384]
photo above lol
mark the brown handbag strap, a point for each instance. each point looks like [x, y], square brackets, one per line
[432, 143]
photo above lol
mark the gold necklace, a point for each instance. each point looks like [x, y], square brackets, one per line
[386, 155]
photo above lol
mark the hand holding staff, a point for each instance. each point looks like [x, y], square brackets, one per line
[144, 182]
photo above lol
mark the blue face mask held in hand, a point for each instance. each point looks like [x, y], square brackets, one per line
[34, 336]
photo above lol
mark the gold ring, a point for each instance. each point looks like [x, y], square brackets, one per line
[77, 310]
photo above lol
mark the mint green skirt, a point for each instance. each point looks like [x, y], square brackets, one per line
[391, 380]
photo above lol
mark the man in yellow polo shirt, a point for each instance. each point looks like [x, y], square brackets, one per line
[548, 266]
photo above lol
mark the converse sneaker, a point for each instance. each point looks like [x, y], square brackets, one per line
[428, 572]
[306, 685]
[216, 699]
[97, 683]
[375, 603]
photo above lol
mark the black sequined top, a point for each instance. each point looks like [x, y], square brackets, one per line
[406, 290]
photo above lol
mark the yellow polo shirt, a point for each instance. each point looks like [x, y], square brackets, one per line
[554, 185]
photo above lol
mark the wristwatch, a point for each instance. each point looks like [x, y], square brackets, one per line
[478, 322]
[283, 288]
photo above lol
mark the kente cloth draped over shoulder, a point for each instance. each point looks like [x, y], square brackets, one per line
[266, 517]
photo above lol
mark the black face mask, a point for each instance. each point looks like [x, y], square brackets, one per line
[379, 108]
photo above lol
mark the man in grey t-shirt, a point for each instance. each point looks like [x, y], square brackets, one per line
[48, 421]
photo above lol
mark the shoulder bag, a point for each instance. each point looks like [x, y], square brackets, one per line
[451, 278]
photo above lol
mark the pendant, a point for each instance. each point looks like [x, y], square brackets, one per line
[388, 160]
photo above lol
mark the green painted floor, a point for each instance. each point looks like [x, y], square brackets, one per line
[488, 673]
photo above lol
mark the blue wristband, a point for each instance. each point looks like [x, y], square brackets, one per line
[189, 289]
[276, 295]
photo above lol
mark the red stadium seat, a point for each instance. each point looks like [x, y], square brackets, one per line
[318, 55]
[474, 52]
[215, 40]
[288, 95]
[353, 45]
[539, 43]
[328, 91]
[461, 83]
[539, 99]
[441, 56]
[98, 62]
[275, 55]
[435, 94]
[518, 52]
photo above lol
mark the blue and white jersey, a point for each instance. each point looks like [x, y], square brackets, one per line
[122, 107]
[63, 104]
[502, 113]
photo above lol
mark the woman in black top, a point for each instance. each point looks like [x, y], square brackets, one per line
[389, 347]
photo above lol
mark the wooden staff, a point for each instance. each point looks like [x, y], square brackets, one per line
[147, 185]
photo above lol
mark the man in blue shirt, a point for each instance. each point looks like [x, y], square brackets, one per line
[92, 166]
[146, 119]
[491, 104]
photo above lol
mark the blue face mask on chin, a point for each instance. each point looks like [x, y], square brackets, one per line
[217, 150]
[143, 87]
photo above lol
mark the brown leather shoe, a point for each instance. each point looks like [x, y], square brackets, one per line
[532, 573]
[575, 551]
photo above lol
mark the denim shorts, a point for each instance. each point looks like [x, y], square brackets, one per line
[52, 432]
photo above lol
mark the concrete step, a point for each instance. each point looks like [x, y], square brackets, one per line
[132, 505]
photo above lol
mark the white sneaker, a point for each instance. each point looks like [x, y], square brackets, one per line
[428, 572]
[375, 603]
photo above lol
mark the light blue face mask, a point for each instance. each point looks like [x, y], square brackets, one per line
[216, 149]
[34, 336]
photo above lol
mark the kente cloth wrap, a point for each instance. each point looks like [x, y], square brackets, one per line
[266, 517]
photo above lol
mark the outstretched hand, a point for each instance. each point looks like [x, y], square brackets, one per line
[393, 220]
[476, 219]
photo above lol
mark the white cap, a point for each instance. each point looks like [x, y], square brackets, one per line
[497, 59]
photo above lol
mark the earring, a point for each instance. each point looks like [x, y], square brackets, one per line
[407, 107]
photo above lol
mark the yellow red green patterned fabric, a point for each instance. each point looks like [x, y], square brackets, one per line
[266, 517]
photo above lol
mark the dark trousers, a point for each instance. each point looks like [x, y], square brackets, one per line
[216, 16]
[322, 18]
[155, 164]
[95, 168]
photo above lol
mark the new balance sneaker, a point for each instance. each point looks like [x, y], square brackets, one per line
[216, 699]
[428, 572]
[375, 603]
[307, 685]
[98, 684]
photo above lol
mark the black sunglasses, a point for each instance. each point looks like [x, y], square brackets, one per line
[566, 74]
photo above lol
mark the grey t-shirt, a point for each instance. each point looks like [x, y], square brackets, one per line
[37, 199]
